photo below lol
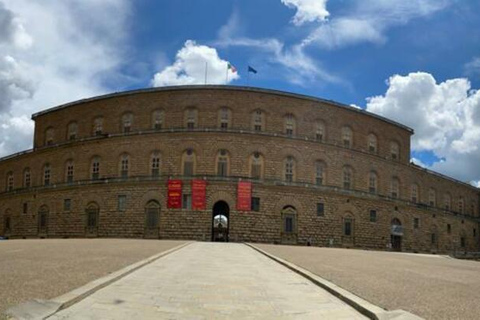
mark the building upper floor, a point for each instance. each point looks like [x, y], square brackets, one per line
[224, 108]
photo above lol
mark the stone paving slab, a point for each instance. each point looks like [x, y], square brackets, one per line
[211, 281]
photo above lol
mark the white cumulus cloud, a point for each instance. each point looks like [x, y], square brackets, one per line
[308, 10]
[368, 21]
[190, 65]
[52, 52]
[445, 117]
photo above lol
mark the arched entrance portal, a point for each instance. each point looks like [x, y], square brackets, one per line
[220, 221]
[396, 234]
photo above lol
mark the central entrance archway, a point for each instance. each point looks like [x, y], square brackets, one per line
[220, 221]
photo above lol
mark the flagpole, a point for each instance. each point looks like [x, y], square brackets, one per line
[248, 77]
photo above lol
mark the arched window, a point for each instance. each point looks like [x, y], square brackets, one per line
[42, 219]
[258, 120]
[124, 165]
[414, 193]
[372, 182]
[347, 177]
[224, 118]
[372, 143]
[395, 150]
[320, 132]
[27, 178]
[434, 236]
[69, 171]
[432, 197]
[395, 188]
[7, 226]
[347, 137]
[223, 160]
[155, 163]
[49, 136]
[188, 162]
[319, 172]
[256, 166]
[9, 181]
[46, 174]
[158, 119]
[289, 217]
[127, 120]
[72, 130]
[152, 212]
[461, 205]
[191, 118]
[98, 126]
[93, 213]
[348, 225]
[447, 201]
[95, 168]
[289, 124]
[289, 166]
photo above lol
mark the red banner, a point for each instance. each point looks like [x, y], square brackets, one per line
[199, 192]
[174, 194]
[244, 196]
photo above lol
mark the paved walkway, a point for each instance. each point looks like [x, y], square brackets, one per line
[211, 281]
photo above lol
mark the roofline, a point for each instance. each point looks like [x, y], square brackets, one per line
[221, 87]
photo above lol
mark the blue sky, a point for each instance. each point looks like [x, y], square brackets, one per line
[416, 61]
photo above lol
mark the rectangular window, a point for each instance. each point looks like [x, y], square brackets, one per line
[190, 125]
[92, 219]
[474, 232]
[319, 137]
[25, 207]
[416, 223]
[433, 239]
[347, 227]
[27, 179]
[449, 228]
[188, 168]
[67, 204]
[152, 218]
[7, 223]
[346, 143]
[187, 202]
[255, 204]
[462, 242]
[222, 168]
[320, 209]
[122, 203]
[224, 125]
[289, 224]
[373, 215]
[258, 127]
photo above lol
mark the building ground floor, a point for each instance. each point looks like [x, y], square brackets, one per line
[283, 214]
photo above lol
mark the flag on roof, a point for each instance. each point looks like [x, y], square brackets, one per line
[250, 69]
[231, 67]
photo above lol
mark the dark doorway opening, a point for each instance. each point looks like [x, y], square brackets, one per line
[396, 235]
[220, 221]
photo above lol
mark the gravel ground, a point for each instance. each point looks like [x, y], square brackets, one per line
[433, 287]
[45, 269]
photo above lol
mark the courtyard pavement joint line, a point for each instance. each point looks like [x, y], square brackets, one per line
[364, 307]
[41, 309]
